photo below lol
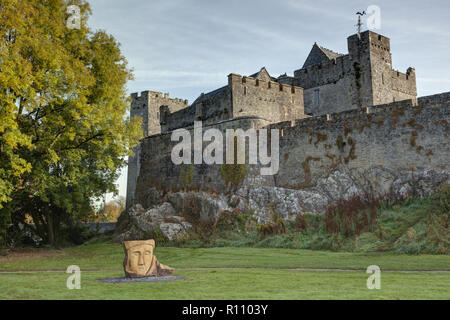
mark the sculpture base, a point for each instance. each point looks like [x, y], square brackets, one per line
[145, 279]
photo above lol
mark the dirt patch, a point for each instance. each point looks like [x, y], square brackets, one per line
[30, 253]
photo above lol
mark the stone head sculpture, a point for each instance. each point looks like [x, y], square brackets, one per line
[140, 262]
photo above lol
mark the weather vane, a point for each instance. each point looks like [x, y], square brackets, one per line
[360, 14]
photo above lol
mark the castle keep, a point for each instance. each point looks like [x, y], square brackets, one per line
[364, 77]
[337, 109]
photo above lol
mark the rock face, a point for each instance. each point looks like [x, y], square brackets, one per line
[139, 224]
[169, 217]
[264, 200]
[140, 262]
[341, 183]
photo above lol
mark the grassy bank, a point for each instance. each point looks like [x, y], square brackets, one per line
[418, 226]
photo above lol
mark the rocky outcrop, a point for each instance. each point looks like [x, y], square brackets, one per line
[341, 183]
[265, 200]
[198, 205]
[141, 224]
[170, 217]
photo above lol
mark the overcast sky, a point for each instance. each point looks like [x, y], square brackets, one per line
[186, 47]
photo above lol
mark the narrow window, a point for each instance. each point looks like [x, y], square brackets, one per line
[317, 96]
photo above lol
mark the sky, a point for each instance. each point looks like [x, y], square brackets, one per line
[186, 47]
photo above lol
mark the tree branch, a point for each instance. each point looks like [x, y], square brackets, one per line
[100, 134]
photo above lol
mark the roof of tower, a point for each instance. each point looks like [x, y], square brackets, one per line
[319, 55]
[210, 94]
[262, 74]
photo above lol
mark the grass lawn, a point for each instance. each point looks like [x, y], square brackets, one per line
[260, 274]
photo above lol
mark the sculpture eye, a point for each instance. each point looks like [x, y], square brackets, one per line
[147, 252]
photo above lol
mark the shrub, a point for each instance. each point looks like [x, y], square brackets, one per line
[352, 216]
[268, 229]
[76, 234]
[300, 223]
[444, 198]
[235, 220]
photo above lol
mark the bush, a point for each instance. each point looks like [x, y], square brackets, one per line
[352, 216]
[268, 229]
[76, 233]
[234, 220]
[444, 198]
[22, 234]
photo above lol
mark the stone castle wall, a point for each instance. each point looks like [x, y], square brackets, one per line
[270, 100]
[242, 97]
[368, 141]
[146, 106]
[162, 174]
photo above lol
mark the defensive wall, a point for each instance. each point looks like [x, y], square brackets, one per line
[404, 135]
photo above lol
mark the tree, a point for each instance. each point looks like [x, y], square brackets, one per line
[64, 133]
[110, 211]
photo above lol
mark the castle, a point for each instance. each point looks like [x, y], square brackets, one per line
[328, 83]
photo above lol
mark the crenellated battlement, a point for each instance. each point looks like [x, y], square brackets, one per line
[158, 95]
[267, 85]
[323, 74]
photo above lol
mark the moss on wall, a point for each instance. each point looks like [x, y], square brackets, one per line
[320, 137]
[307, 170]
[352, 153]
[187, 173]
[412, 138]
[340, 143]
[233, 174]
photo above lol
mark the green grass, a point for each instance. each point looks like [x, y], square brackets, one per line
[232, 284]
[261, 273]
[108, 257]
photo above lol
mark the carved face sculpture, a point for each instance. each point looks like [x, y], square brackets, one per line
[139, 259]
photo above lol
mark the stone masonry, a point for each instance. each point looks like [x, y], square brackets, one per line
[349, 118]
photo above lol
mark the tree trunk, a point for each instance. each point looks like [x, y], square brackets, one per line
[50, 230]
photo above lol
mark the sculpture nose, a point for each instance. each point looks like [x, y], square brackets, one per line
[141, 260]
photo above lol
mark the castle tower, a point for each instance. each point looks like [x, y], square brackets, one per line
[364, 77]
[360, 54]
[147, 106]
[139, 108]
[387, 85]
